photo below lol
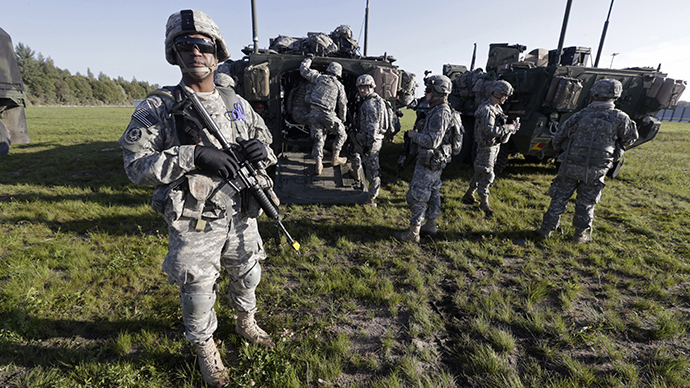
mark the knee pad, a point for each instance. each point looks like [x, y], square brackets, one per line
[249, 279]
[197, 305]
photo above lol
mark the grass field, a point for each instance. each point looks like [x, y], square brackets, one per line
[84, 302]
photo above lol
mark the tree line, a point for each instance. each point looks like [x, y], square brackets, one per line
[46, 84]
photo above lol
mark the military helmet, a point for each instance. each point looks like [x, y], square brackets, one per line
[335, 68]
[365, 80]
[607, 89]
[502, 87]
[439, 84]
[192, 22]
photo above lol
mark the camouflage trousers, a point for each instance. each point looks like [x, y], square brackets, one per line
[484, 169]
[321, 124]
[372, 168]
[562, 188]
[194, 263]
[424, 195]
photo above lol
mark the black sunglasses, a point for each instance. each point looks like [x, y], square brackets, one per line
[188, 44]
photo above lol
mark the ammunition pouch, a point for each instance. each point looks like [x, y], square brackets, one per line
[435, 159]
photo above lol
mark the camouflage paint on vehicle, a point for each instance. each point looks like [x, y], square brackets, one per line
[13, 98]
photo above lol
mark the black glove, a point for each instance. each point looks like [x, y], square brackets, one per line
[253, 150]
[222, 163]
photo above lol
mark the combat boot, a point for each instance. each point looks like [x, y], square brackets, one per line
[210, 364]
[370, 202]
[319, 167]
[337, 160]
[468, 198]
[581, 236]
[411, 235]
[246, 327]
[354, 173]
[543, 232]
[429, 227]
[484, 205]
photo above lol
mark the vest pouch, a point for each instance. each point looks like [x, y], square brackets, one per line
[256, 82]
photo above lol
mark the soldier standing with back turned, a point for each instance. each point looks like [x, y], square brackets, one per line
[208, 227]
[424, 194]
[490, 131]
[328, 110]
[592, 140]
[371, 126]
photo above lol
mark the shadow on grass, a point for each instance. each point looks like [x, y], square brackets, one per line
[72, 342]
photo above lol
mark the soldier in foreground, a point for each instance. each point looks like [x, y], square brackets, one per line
[490, 131]
[371, 126]
[165, 147]
[328, 110]
[424, 194]
[592, 140]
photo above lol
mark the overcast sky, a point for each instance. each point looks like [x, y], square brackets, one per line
[126, 38]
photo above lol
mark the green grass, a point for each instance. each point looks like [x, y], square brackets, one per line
[84, 302]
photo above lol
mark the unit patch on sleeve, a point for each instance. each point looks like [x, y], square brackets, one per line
[133, 135]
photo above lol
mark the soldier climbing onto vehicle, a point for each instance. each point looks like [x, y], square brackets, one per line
[328, 110]
[592, 140]
[371, 127]
[435, 150]
[490, 131]
[210, 226]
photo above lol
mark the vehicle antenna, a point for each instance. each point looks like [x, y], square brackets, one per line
[603, 36]
[563, 28]
[366, 28]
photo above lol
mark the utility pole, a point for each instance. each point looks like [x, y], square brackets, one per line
[612, 56]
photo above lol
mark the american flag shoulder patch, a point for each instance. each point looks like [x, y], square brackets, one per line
[145, 117]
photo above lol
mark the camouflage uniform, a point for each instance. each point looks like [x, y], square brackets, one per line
[155, 155]
[371, 126]
[592, 139]
[490, 131]
[328, 109]
[424, 194]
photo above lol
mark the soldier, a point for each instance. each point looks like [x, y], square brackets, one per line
[592, 139]
[164, 146]
[490, 131]
[371, 127]
[328, 109]
[424, 194]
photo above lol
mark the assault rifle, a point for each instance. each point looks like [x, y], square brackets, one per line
[246, 175]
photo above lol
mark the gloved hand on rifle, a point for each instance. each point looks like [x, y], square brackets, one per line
[222, 163]
[253, 150]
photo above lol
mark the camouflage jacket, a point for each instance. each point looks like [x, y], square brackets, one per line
[155, 155]
[594, 138]
[433, 152]
[490, 127]
[327, 93]
[371, 120]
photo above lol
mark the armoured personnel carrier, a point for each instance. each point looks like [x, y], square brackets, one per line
[270, 80]
[12, 98]
[549, 88]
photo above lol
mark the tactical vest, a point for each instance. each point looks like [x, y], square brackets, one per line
[187, 122]
[325, 92]
[593, 145]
